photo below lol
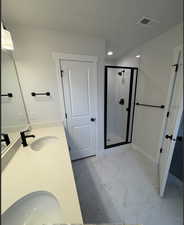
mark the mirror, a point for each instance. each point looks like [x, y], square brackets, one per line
[13, 113]
[120, 94]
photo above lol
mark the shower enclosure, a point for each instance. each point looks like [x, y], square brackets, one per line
[120, 95]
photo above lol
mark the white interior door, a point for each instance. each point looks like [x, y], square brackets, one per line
[80, 91]
[175, 109]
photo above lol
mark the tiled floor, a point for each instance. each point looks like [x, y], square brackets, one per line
[122, 187]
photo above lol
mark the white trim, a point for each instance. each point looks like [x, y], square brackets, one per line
[84, 58]
[177, 125]
[140, 150]
[163, 179]
[176, 51]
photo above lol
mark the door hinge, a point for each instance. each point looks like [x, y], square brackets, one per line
[61, 73]
[66, 115]
[176, 67]
[161, 150]
[167, 114]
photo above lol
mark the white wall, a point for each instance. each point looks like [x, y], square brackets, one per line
[37, 70]
[153, 82]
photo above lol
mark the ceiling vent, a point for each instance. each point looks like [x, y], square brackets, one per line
[146, 21]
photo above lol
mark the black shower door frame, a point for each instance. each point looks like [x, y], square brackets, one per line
[132, 69]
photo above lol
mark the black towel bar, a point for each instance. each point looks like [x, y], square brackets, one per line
[45, 93]
[10, 95]
[147, 105]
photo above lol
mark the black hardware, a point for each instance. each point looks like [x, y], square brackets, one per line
[127, 109]
[10, 95]
[66, 115]
[130, 109]
[129, 104]
[176, 67]
[147, 105]
[179, 138]
[135, 91]
[167, 114]
[5, 139]
[93, 119]
[120, 73]
[24, 136]
[45, 93]
[61, 73]
[169, 136]
[161, 150]
[122, 101]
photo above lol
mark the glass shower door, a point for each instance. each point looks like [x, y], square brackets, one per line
[118, 105]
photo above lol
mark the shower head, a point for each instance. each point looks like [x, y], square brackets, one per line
[120, 73]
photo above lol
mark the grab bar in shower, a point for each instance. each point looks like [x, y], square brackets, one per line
[45, 93]
[148, 105]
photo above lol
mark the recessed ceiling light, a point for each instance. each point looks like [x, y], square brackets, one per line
[138, 56]
[110, 53]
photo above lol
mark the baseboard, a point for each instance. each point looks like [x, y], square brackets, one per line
[140, 150]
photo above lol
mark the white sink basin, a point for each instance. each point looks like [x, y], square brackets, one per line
[36, 208]
[38, 144]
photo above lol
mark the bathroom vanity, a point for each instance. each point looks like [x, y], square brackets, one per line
[38, 185]
[44, 165]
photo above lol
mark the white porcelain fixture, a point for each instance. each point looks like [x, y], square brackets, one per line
[36, 208]
[40, 143]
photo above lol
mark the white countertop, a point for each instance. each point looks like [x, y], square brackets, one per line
[49, 170]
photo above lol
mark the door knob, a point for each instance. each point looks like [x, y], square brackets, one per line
[179, 138]
[93, 119]
[169, 136]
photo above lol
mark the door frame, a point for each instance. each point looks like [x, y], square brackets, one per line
[129, 104]
[177, 54]
[176, 51]
[81, 58]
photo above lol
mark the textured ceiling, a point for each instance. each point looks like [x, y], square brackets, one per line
[113, 20]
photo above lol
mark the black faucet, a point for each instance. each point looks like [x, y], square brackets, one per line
[5, 139]
[24, 136]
